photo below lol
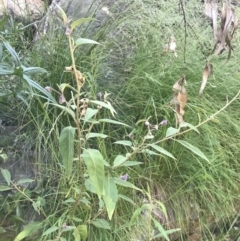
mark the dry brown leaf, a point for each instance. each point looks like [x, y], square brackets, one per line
[211, 12]
[206, 73]
[180, 98]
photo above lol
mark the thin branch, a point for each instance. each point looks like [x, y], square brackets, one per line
[185, 32]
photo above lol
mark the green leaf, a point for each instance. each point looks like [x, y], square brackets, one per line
[119, 160]
[2, 24]
[33, 70]
[160, 229]
[28, 230]
[81, 41]
[35, 85]
[12, 52]
[64, 108]
[5, 69]
[185, 124]
[4, 188]
[4, 157]
[162, 150]
[89, 114]
[63, 14]
[7, 175]
[83, 231]
[95, 167]
[101, 223]
[171, 131]
[92, 135]
[76, 235]
[66, 144]
[194, 149]
[123, 183]
[50, 230]
[110, 196]
[131, 163]
[125, 143]
[126, 198]
[167, 232]
[105, 105]
[25, 180]
[113, 122]
[89, 186]
[74, 24]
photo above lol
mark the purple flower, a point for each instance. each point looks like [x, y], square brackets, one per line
[163, 122]
[124, 177]
[48, 88]
[99, 95]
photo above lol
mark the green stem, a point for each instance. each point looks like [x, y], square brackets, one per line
[77, 120]
[203, 122]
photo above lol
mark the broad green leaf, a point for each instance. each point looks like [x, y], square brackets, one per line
[50, 230]
[131, 163]
[33, 70]
[76, 235]
[66, 144]
[95, 167]
[25, 180]
[105, 105]
[4, 188]
[101, 223]
[123, 183]
[149, 152]
[119, 160]
[162, 150]
[74, 24]
[89, 186]
[92, 135]
[125, 143]
[83, 231]
[110, 196]
[185, 124]
[160, 229]
[113, 122]
[28, 230]
[90, 113]
[3, 156]
[81, 41]
[126, 198]
[171, 131]
[7, 175]
[194, 149]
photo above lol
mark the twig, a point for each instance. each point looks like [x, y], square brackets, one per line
[185, 31]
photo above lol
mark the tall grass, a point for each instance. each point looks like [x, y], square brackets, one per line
[131, 66]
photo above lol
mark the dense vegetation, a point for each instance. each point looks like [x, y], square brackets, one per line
[109, 158]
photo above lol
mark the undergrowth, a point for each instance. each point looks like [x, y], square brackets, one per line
[200, 197]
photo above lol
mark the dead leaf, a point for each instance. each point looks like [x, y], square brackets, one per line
[180, 98]
[211, 12]
[223, 39]
[206, 73]
[173, 45]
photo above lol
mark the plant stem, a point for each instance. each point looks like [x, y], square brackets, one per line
[203, 122]
[77, 120]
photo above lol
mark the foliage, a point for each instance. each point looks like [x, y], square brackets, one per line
[96, 165]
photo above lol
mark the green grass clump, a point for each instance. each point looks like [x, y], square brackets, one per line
[131, 64]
